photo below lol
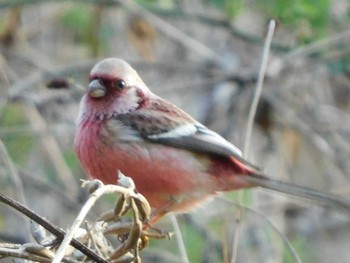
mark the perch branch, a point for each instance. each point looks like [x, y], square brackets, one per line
[59, 233]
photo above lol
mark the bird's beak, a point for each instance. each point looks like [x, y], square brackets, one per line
[96, 89]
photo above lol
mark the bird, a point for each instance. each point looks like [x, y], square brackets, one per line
[176, 162]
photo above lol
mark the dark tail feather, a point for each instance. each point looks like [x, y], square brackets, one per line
[325, 199]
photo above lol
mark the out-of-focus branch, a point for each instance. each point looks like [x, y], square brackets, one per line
[15, 178]
[251, 117]
[9, 34]
[269, 222]
[95, 27]
[195, 46]
[13, 174]
[52, 149]
[179, 238]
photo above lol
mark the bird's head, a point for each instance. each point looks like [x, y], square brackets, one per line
[115, 87]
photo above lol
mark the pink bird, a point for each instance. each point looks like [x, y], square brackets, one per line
[175, 161]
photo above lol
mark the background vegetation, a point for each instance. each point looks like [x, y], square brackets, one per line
[204, 57]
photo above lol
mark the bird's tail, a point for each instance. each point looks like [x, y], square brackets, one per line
[323, 198]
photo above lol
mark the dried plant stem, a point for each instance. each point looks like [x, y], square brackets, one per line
[105, 189]
[21, 252]
[274, 227]
[250, 123]
[16, 253]
[259, 86]
[179, 239]
[224, 240]
[236, 233]
[59, 233]
[317, 46]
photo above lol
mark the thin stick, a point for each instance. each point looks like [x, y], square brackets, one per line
[24, 253]
[179, 239]
[59, 233]
[105, 189]
[224, 240]
[16, 180]
[259, 86]
[341, 38]
[237, 231]
[274, 227]
[251, 117]
[17, 253]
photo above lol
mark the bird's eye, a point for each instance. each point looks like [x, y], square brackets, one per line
[120, 84]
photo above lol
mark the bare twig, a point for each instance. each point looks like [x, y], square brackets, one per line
[274, 227]
[259, 86]
[102, 190]
[317, 46]
[59, 233]
[19, 253]
[179, 239]
[224, 240]
[33, 252]
[289, 59]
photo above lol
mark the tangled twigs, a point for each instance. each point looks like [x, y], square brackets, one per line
[59, 233]
[130, 231]
[128, 221]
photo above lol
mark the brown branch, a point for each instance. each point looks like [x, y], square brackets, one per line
[59, 233]
[25, 253]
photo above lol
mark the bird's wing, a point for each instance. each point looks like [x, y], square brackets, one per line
[179, 131]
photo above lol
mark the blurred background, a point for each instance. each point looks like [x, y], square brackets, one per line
[203, 56]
